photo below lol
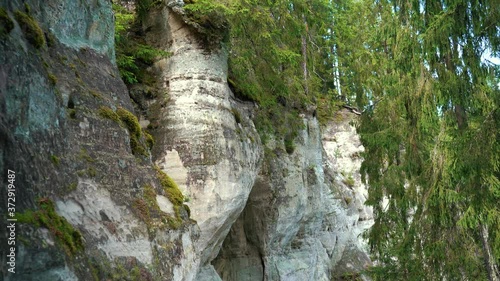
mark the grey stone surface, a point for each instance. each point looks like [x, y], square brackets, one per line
[301, 222]
[256, 212]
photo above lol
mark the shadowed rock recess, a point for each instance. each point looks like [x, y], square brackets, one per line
[208, 201]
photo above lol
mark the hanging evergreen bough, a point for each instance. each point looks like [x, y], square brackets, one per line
[432, 143]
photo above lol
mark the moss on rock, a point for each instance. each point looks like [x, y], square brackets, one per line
[237, 115]
[150, 141]
[52, 79]
[130, 121]
[289, 144]
[55, 160]
[6, 23]
[170, 187]
[31, 29]
[132, 124]
[125, 117]
[59, 227]
[108, 113]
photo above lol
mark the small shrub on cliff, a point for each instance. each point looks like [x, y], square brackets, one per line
[132, 55]
[31, 29]
[212, 18]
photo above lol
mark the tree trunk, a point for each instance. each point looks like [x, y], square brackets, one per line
[489, 259]
[304, 56]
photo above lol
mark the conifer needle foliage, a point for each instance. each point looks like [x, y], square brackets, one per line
[430, 129]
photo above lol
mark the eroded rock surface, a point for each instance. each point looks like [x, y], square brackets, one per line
[255, 211]
[205, 139]
[301, 221]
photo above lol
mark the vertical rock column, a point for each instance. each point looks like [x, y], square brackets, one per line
[205, 141]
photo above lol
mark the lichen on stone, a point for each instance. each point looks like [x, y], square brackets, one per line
[31, 29]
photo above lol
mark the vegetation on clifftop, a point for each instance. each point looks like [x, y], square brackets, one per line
[133, 56]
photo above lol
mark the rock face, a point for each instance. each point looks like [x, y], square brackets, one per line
[76, 24]
[86, 202]
[205, 139]
[91, 206]
[301, 221]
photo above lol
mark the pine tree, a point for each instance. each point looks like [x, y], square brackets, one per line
[432, 145]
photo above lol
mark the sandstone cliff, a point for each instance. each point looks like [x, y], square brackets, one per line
[95, 200]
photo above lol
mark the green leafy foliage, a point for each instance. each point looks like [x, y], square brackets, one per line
[429, 131]
[132, 54]
[275, 58]
[429, 102]
[212, 17]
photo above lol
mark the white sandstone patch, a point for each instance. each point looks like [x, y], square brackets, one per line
[118, 231]
[165, 204]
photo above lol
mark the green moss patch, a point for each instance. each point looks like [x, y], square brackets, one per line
[55, 160]
[6, 23]
[59, 227]
[289, 144]
[52, 79]
[31, 29]
[150, 141]
[148, 211]
[72, 113]
[134, 129]
[130, 121]
[108, 113]
[84, 155]
[170, 187]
